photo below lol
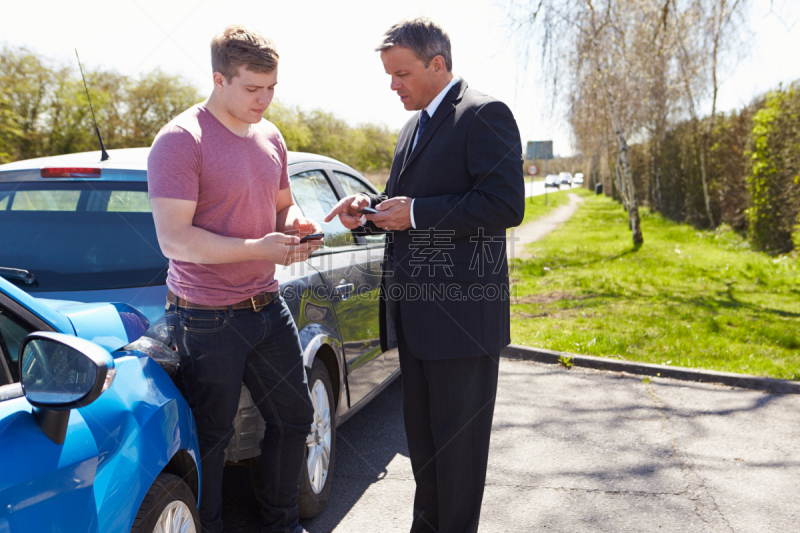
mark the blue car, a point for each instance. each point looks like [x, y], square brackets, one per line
[94, 435]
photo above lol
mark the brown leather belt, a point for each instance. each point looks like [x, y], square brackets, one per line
[255, 302]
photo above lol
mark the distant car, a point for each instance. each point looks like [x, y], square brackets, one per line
[566, 178]
[94, 434]
[552, 180]
[578, 179]
[73, 228]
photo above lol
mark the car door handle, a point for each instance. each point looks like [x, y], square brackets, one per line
[344, 290]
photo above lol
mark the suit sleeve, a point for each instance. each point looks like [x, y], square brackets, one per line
[375, 199]
[494, 162]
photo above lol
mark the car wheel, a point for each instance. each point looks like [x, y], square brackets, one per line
[168, 507]
[315, 481]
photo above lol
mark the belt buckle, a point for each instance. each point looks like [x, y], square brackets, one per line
[253, 303]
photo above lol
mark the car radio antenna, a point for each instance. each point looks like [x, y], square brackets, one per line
[105, 155]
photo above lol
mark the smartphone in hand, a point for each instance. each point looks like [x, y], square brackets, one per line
[368, 211]
[312, 237]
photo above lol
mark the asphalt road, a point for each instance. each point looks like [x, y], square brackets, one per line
[582, 451]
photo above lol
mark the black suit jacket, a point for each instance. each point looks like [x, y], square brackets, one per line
[465, 174]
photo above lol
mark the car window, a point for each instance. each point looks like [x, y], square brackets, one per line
[44, 201]
[315, 196]
[12, 332]
[127, 202]
[61, 200]
[353, 185]
[80, 235]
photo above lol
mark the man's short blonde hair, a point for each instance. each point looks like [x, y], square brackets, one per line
[238, 46]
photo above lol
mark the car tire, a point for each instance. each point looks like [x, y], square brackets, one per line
[168, 507]
[311, 498]
[315, 481]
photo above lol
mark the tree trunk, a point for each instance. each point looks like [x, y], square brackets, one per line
[707, 137]
[618, 188]
[633, 210]
[613, 176]
[703, 176]
[700, 139]
[658, 190]
[621, 186]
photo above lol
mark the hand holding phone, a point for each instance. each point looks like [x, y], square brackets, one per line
[368, 211]
[312, 237]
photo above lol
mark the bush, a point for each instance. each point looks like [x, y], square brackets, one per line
[774, 178]
[366, 147]
[44, 110]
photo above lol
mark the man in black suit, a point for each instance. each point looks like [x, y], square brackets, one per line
[455, 186]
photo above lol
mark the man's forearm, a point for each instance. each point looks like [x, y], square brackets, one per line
[285, 219]
[196, 245]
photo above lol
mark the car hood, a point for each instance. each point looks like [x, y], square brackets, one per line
[110, 325]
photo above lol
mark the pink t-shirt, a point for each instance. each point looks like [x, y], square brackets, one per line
[235, 182]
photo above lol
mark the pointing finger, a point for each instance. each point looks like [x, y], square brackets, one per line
[336, 209]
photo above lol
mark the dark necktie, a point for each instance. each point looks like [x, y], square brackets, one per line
[423, 121]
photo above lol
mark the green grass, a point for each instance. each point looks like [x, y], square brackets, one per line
[687, 297]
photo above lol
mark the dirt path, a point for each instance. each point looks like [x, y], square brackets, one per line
[539, 229]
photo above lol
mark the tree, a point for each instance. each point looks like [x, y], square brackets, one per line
[633, 68]
[45, 112]
[598, 46]
[9, 129]
[705, 32]
[152, 101]
[774, 179]
[366, 147]
[24, 82]
[289, 120]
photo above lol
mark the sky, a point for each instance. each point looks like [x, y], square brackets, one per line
[327, 57]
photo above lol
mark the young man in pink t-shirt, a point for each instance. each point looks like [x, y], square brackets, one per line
[224, 215]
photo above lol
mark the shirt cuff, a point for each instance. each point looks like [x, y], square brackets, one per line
[413, 224]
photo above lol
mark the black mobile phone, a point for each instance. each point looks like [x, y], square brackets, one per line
[312, 237]
[368, 211]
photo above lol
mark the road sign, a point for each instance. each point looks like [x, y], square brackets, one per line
[539, 150]
[532, 170]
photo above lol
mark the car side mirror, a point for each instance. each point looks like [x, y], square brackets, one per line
[60, 372]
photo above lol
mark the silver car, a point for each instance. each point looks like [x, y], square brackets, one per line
[552, 180]
[96, 242]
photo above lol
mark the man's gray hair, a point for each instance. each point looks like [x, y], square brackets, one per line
[423, 36]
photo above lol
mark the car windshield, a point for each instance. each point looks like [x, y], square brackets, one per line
[79, 236]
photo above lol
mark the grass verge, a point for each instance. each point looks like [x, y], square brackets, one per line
[687, 297]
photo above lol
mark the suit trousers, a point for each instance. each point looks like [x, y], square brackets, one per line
[448, 406]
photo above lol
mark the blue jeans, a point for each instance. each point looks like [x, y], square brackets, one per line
[219, 351]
